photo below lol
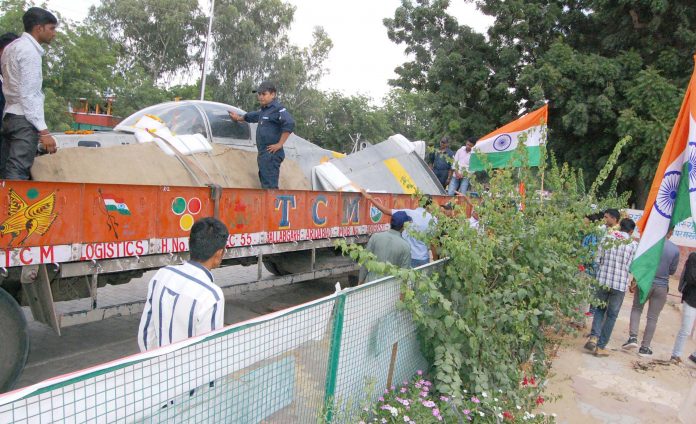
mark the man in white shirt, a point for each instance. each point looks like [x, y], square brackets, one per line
[23, 124]
[183, 301]
[459, 174]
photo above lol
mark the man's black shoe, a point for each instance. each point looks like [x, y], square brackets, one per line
[631, 343]
[645, 351]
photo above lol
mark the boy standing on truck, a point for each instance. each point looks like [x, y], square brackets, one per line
[23, 124]
[183, 301]
[275, 124]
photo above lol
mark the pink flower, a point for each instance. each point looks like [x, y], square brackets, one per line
[403, 390]
[423, 394]
[436, 414]
[404, 402]
[428, 403]
[381, 399]
[444, 398]
[466, 412]
[475, 399]
[419, 372]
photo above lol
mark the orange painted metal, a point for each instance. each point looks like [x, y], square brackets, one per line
[44, 222]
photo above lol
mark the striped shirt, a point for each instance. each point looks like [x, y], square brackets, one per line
[182, 302]
[614, 255]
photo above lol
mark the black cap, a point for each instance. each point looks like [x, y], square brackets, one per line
[265, 86]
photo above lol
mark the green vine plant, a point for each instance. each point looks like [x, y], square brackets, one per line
[609, 166]
[510, 286]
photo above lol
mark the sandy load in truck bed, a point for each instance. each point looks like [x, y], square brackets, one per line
[146, 164]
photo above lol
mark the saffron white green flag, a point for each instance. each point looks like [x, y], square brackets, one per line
[672, 197]
[497, 149]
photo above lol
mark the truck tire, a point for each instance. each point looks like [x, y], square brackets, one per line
[272, 267]
[14, 341]
[301, 261]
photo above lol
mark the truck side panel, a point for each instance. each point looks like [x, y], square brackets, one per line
[44, 222]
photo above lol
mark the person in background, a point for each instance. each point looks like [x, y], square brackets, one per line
[23, 125]
[5, 39]
[614, 256]
[422, 222]
[183, 301]
[687, 287]
[611, 219]
[440, 161]
[589, 241]
[275, 124]
[459, 174]
[657, 297]
[389, 246]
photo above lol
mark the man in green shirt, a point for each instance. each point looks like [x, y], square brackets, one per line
[389, 246]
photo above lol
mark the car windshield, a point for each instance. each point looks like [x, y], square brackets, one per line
[181, 118]
[222, 126]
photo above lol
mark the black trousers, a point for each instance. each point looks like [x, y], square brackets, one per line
[269, 167]
[20, 141]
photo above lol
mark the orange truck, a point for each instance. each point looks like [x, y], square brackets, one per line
[60, 241]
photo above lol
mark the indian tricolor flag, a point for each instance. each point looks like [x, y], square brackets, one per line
[497, 149]
[115, 204]
[672, 197]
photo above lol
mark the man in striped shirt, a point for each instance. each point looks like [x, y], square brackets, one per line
[614, 256]
[183, 301]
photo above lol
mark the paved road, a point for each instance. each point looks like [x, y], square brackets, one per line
[86, 345]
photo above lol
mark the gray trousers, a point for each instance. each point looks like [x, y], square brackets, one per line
[20, 141]
[657, 297]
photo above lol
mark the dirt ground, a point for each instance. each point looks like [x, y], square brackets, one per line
[623, 387]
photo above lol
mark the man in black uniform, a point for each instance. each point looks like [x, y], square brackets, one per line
[274, 127]
[441, 161]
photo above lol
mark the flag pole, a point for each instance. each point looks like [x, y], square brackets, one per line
[205, 55]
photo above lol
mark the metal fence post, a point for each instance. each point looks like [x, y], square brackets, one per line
[334, 353]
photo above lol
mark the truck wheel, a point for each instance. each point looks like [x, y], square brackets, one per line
[301, 261]
[272, 267]
[14, 341]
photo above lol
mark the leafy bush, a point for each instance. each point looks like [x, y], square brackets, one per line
[511, 285]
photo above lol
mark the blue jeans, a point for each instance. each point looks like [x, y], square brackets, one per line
[458, 184]
[418, 262]
[605, 315]
[688, 317]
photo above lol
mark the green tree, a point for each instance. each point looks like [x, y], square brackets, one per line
[589, 59]
[349, 118]
[11, 12]
[250, 37]
[164, 37]
[409, 114]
